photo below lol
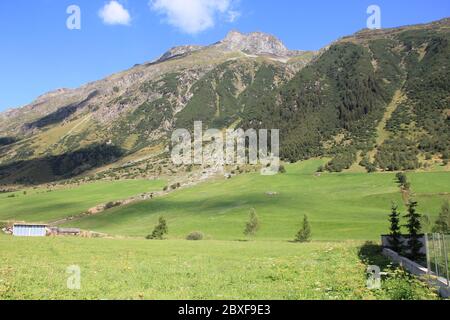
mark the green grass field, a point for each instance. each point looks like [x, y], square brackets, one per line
[339, 206]
[40, 205]
[177, 269]
[345, 210]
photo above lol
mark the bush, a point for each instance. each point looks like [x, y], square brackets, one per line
[195, 236]
[400, 285]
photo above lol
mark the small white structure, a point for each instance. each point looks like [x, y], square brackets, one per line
[30, 230]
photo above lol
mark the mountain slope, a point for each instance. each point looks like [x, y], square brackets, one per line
[333, 106]
[325, 104]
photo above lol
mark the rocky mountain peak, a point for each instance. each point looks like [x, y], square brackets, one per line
[257, 43]
[178, 52]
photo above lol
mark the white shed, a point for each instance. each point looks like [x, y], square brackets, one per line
[30, 230]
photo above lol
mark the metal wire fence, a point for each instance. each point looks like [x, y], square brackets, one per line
[438, 252]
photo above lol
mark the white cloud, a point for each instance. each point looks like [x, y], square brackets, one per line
[194, 16]
[233, 16]
[114, 13]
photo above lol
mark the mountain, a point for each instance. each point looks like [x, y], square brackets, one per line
[377, 99]
[256, 43]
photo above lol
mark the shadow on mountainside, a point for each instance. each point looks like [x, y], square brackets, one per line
[54, 168]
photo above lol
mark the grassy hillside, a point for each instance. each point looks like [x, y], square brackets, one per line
[139, 269]
[339, 206]
[41, 205]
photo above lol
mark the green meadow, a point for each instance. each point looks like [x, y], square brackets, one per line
[44, 205]
[345, 211]
[178, 269]
[339, 206]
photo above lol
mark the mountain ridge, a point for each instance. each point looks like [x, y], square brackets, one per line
[251, 80]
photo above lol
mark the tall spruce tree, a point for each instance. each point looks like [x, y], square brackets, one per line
[394, 219]
[414, 227]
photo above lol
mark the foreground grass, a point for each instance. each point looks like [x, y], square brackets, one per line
[41, 205]
[339, 206]
[35, 268]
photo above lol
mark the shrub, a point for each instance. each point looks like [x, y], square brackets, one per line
[400, 285]
[195, 236]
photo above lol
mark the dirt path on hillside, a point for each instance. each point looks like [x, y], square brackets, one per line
[100, 208]
[382, 133]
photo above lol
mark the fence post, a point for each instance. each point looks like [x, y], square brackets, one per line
[436, 267]
[444, 241]
[427, 250]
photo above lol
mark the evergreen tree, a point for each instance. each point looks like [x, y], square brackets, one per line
[442, 224]
[425, 222]
[304, 234]
[414, 227]
[252, 226]
[402, 180]
[160, 230]
[394, 219]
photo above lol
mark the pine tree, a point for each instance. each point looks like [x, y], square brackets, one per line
[402, 180]
[414, 227]
[304, 234]
[442, 224]
[252, 226]
[394, 219]
[160, 230]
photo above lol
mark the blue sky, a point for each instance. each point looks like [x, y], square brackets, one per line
[38, 53]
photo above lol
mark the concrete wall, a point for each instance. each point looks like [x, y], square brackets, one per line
[404, 240]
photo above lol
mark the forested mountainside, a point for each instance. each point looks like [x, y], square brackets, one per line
[378, 98]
